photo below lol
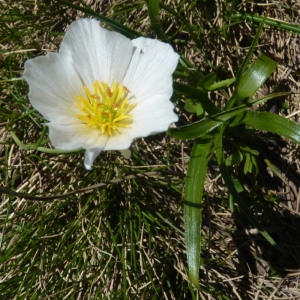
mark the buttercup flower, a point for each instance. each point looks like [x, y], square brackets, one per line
[102, 90]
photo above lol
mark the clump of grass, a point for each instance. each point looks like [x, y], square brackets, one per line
[123, 238]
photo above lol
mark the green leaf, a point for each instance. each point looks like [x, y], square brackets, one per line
[248, 163]
[234, 159]
[36, 146]
[194, 108]
[273, 123]
[192, 205]
[153, 10]
[197, 94]
[220, 84]
[253, 78]
[246, 62]
[269, 21]
[205, 126]
[208, 80]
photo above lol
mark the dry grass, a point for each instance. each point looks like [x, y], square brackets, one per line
[143, 215]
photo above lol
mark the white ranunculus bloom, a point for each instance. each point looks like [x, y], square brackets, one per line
[102, 90]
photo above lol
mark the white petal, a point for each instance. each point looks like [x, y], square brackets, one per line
[150, 70]
[149, 78]
[153, 116]
[149, 117]
[78, 136]
[126, 153]
[90, 156]
[53, 83]
[97, 53]
[69, 137]
[120, 141]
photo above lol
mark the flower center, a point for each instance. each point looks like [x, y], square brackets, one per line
[106, 108]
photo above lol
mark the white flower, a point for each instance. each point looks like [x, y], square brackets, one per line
[102, 90]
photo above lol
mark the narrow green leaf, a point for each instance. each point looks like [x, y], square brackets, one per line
[273, 123]
[205, 126]
[192, 205]
[269, 21]
[221, 84]
[153, 10]
[37, 147]
[233, 159]
[253, 78]
[234, 100]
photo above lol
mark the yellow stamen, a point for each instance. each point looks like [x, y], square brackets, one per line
[106, 108]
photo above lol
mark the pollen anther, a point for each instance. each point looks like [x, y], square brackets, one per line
[106, 108]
